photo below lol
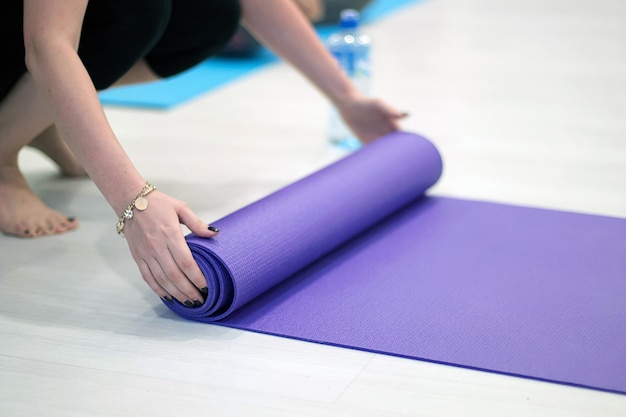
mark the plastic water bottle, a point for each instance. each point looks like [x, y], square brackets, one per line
[351, 48]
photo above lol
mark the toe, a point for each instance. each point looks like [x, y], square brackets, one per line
[24, 230]
[65, 224]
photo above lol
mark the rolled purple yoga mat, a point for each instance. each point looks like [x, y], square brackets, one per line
[266, 242]
[356, 256]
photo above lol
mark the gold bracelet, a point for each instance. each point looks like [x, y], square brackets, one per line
[140, 203]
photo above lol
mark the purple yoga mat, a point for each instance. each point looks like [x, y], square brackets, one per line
[355, 255]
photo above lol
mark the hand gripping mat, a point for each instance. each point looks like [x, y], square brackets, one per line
[356, 255]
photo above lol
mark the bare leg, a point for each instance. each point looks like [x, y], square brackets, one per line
[52, 145]
[21, 212]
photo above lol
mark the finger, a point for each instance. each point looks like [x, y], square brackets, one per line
[182, 253]
[395, 114]
[195, 224]
[148, 277]
[175, 283]
[189, 267]
[393, 124]
[393, 117]
[389, 111]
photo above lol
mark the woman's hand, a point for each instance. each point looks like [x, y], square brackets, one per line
[282, 27]
[370, 118]
[157, 244]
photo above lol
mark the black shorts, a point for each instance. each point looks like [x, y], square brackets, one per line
[171, 35]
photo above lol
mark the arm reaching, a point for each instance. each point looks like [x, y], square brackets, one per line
[51, 35]
[280, 25]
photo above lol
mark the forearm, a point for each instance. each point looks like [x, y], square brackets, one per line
[281, 26]
[65, 85]
[81, 121]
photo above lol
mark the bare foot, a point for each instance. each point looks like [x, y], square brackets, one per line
[50, 143]
[22, 213]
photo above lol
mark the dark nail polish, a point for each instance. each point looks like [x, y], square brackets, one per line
[188, 303]
[27, 232]
[213, 229]
[197, 303]
[166, 298]
[204, 290]
[71, 219]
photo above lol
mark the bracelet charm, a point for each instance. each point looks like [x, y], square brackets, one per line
[140, 203]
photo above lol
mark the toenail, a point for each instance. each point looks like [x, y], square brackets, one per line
[71, 219]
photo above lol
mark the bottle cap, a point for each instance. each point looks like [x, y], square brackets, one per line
[349, 18]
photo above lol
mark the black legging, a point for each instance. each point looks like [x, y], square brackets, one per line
[171, 35]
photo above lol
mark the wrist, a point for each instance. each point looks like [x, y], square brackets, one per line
[120, 193]
[139, 203]
[345, 97]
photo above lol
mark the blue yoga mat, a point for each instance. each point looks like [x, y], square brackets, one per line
[218, 71]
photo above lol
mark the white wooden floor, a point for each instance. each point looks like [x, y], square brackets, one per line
[526, 101]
